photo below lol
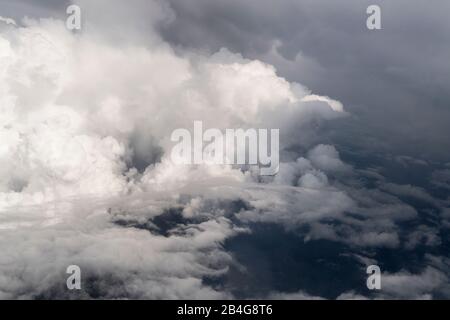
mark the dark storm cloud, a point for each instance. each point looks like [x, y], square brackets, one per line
[394, 81]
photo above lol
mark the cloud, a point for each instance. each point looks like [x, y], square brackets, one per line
[384, 78]
[86, 176]
[292, 296]
[414, 286]
[116, 262]
[441, 178]
[326, 157]
[8, 21]
[80, 109]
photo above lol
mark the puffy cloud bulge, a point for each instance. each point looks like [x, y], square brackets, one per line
[103, 104]
[85, 129]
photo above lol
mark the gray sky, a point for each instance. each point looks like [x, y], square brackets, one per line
[394, 81]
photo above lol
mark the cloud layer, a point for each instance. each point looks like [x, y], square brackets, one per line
[86, 176]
